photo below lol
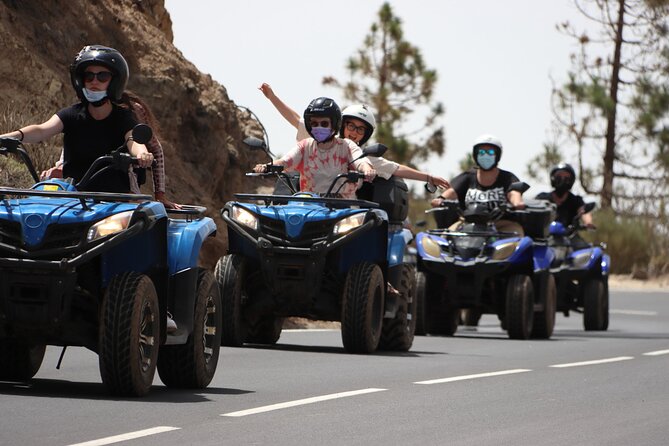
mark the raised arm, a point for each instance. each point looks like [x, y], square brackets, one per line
[413, 174]
[288, 113]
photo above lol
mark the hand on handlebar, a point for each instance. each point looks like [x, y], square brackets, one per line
[370, 174]
[260, 168]
[53, 172]
[145, 159]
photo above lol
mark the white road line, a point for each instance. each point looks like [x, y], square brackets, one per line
[308, 330]
[657, 353]
[634, 312]
[597, 361]
[301, 402]
[479, 375]
[128, 436]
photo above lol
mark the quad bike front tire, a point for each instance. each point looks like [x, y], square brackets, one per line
[544, 320]
[363, 308]
[192, 365]
[519, 306]
[230, 274]
[129, 335]
[397, 334]
[595, 305]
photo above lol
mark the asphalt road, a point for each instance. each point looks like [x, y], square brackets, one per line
[477, 388]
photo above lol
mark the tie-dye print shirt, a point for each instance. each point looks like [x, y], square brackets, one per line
[319, 164]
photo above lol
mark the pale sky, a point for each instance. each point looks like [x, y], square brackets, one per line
[493, 59]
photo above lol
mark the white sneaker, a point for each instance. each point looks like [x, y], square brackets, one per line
[171, 325]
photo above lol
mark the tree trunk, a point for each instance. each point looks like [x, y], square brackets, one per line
[609, 154]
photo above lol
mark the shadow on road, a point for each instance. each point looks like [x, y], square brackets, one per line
[52, 388]
[339, 350]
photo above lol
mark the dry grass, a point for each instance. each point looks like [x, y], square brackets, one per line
[13, 173]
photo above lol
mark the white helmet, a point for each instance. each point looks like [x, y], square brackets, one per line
[361, 112]
[488, 139]
[491, 141]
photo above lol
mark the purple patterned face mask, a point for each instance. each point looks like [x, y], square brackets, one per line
[320, 134]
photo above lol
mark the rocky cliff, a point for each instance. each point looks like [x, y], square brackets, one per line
[200, 127]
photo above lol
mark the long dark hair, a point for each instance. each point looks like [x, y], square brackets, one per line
[140, 109]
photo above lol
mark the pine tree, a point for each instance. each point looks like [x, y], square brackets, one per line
[613, 107]
[390, 75]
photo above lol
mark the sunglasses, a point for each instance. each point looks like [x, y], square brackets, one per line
[360, 130]
[486, 151]
[103, 76]
[324, 124]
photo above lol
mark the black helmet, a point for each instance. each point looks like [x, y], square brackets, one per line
[323, 107]
[107, 57]
[560, 184]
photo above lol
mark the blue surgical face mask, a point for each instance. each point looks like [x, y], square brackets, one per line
[94, 96]
[320, 134]
[485, 161]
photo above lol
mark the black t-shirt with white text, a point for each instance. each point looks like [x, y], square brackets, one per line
[86, 139]
[568, 210]
[470, 192]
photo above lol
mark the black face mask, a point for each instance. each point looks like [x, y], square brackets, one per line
[561, 185]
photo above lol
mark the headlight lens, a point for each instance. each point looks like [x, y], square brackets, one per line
[431, 247]
[349, 223]
[581, 259]
[244, 217]
[110, 225]
[504, 250]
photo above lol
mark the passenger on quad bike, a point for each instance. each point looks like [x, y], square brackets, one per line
[323, 156]
[486, 184]
[569, 205]
[96, 124]
[358, 125]
[137, 177]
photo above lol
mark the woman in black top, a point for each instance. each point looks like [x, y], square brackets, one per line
[569, 205]
[487, 184]
[96, 125]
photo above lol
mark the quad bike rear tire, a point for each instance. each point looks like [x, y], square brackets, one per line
[267, 331]
[19, 361]
[192, 365]
[420, 305]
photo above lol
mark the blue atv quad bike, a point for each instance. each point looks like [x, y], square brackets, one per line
[485, 271]
[581, 271]
[320, 258]
[100, 270]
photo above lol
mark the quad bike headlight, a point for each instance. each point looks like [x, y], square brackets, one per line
[244, 217]
[581, 259]
[430, 247]
[109, 226]
[504, 250]
[348, 224]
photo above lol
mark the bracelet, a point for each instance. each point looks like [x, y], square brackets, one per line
[22, 134]
[429, 179]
